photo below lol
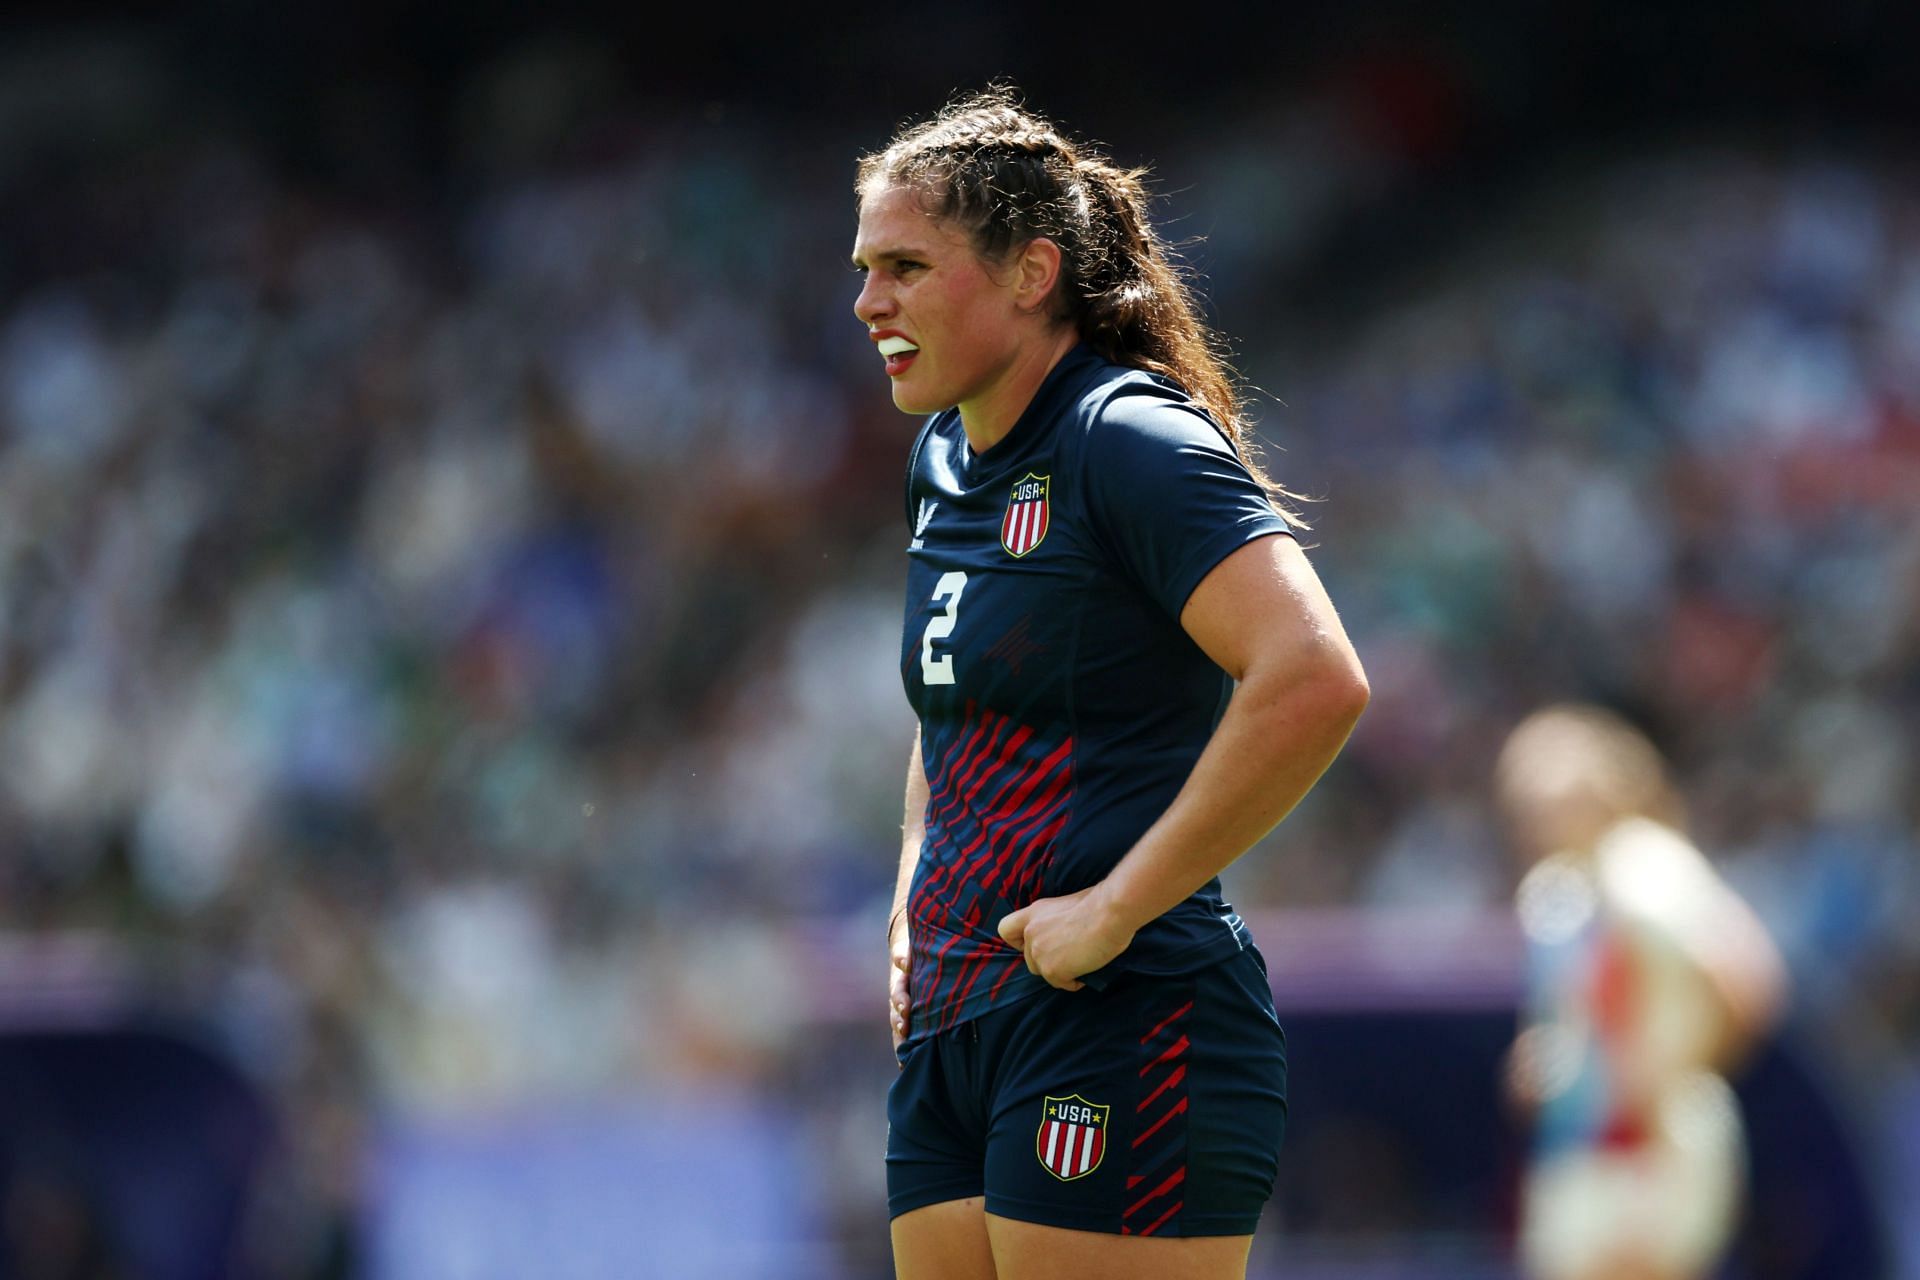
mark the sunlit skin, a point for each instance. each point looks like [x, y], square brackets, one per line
[986, 334]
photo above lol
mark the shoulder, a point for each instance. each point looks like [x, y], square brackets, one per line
[1651, 873]
[1135, 432]
[1138, 417]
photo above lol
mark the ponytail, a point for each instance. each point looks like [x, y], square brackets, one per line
[1008, 176]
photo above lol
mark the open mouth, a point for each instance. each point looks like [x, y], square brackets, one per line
[899, 354]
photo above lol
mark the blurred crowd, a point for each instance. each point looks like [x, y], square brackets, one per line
[461, 629]
[1655, 439]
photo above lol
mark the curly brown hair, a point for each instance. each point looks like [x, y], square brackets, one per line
[1009, 176]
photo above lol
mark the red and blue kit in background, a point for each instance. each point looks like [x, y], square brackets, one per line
[1061, 708]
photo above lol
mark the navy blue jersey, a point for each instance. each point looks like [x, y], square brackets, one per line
[1061, 705]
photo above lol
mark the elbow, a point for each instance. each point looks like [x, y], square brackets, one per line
[1326, 694]
[1344, 688]
[1350, 701]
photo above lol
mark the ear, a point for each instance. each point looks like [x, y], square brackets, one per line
[1037, 271]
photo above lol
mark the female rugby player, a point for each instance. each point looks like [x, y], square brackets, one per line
[1650, 978]
[1125, 673]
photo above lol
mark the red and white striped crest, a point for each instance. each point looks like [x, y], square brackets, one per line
[1027, 518]
[1072, 1137]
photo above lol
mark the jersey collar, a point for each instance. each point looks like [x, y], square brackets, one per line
[1055, 393]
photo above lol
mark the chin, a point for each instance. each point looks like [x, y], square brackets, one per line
[919, 403]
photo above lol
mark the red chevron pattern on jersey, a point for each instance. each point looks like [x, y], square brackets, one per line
[999, 793]
[1028, 515]
[1072, 1136]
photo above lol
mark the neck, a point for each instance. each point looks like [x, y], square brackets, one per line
[990, 415]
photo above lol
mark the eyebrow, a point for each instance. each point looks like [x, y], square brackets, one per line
[886, 255]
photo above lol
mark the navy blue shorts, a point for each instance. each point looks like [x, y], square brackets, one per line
[1154, 1107]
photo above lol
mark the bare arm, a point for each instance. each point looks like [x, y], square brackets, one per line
[1748, 974]
[1262, 615]
[1659, 885]
[913, 834]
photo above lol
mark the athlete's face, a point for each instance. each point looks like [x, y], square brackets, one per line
[948, 327]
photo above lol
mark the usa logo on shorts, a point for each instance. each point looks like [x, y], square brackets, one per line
[1072, 1137]
[1027, 518]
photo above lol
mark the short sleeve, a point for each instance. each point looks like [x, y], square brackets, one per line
[1168, 495]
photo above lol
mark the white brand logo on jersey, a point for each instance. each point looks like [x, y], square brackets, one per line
[921, 521]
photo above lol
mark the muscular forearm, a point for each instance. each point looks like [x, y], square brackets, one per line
[1281, 730]
[1263, 617]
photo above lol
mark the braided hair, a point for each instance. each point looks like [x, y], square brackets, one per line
[1008, 176]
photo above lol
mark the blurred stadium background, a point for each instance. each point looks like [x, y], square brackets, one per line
[450, 536]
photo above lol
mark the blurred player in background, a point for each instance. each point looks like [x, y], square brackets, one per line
[1093, 1076]
[1650, 979]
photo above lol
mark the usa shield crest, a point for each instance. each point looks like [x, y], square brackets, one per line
[1027, 519]
[1072, 1136]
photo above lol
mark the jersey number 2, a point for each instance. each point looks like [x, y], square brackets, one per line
[940, 670]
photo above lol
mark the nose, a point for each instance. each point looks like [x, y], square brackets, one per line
[874, 303]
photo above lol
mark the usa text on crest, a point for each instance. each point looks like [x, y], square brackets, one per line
[1028, 516]
[1072, 1136]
